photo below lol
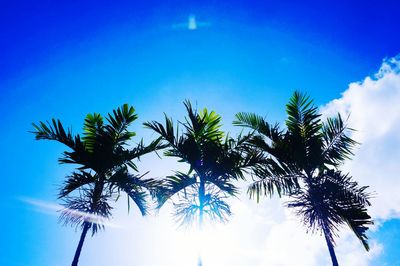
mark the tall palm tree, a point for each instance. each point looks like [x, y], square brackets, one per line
[102, 173]
[308, 154]
[214, 161]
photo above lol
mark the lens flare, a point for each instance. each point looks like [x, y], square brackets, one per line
[52, 208]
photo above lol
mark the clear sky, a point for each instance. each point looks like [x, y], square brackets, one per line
[65, 59]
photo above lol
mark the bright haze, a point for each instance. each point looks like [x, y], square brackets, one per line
[63, 59]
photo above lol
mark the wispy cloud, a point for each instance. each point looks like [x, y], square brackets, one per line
[53, 209]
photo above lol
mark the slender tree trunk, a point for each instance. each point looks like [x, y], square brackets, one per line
[331, 249]
[202, 192]
[97, 191]
[85, 229]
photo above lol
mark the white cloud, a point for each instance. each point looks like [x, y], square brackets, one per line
[288, 244]
[374, 108]
[350, 252]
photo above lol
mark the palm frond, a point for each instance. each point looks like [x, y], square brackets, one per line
[303, 118]
[135, 186]
[273, 176]
[204, 125]
[55, 131]
[173, 185]
[352, 200]
[139, 197]
[212, 125]
[214, 208]
[81, 208]
[359, 220]
[337, 145]
[92, 126]
[259, 124]
[166, 132]
[347, 188]
[268, 186]
[119, 122]
[75, 181]
[127, 156]
[333, 200]
[246, 156]
[224, 185]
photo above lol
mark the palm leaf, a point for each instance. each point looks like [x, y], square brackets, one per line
[55, 131]
[337, 145]
[76, 181]
[92, 126]
[259, 124]
[80, 209]
[173, 185]
[303, 118]
[119, 122]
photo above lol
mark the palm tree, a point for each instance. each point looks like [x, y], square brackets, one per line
[103, 161]
[215, 161]
[304, 164]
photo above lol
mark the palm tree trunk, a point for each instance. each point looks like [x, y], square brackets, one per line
[85, 229]
[202, 193]
[97, 191]
[331, 249]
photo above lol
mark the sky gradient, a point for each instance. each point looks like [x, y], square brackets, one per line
[64, 60]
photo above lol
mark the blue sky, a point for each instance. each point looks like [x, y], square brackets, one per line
[64, 60]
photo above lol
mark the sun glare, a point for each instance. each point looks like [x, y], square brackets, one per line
[215, 243]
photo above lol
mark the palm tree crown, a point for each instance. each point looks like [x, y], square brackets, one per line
[214, 160]
[102, 173]
[304, 164]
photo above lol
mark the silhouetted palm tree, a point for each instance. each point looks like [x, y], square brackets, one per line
[102, 173]
[215, 161]
[308, 154]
